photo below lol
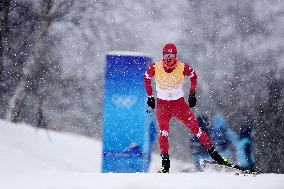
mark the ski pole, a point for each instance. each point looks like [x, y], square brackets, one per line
[48, 136]
[199, 115]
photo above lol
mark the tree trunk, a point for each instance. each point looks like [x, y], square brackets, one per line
[4, 12]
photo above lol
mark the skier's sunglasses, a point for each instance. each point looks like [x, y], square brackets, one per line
[169, 55]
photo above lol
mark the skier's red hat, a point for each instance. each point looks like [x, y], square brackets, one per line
[170, 48]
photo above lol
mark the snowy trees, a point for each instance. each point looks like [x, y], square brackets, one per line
[13, 47]
[33, 70]
[4, 11]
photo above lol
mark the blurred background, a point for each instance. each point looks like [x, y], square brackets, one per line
[52, 60]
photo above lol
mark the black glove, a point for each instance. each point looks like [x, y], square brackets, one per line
[151, 102]
[192, 100]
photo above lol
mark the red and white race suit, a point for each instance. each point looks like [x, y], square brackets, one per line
[170, 100]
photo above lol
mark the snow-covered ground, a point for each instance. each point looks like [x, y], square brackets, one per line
[36, 159]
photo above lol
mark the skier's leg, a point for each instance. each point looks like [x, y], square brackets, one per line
[39, 123]
[163, 117]
[187, 117]
[165, 164]
[184, 113]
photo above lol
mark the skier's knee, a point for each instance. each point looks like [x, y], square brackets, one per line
[164, 133]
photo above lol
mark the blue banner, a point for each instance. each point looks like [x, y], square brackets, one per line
[126, 125]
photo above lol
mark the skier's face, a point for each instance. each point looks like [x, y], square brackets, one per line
[169, 60]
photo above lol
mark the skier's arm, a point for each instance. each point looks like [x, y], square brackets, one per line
[147, 80]
[188, 71]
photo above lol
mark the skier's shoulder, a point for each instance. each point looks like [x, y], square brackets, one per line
[152, 66]
[157, 63]
[150, 71]
[182, 63]
[186, 66]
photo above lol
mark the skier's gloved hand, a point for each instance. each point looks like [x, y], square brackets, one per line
[151, 102]
[192, 99]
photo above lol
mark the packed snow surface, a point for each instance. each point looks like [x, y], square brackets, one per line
[33, 158]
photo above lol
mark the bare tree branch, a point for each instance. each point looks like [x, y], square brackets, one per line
[60, 10]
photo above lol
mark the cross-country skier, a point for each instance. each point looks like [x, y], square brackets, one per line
[169, 74]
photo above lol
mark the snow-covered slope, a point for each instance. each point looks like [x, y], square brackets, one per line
[36, 159]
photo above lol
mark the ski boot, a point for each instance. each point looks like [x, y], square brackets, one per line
[219, 159]
[165, 164]
[224, 161]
